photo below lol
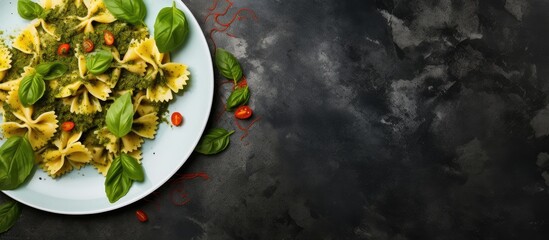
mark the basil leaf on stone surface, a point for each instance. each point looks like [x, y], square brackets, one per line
[31, 89]
[133, 11]
[238, 97]
[16, 162]
[132, 169]
[29, 10]
[120, 116]
[170, 29]
[51, 70]
[117, 184]
[9, 213]
[228, 65]
[99, 61]
[215, 141]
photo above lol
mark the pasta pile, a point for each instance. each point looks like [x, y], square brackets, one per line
[80, 96]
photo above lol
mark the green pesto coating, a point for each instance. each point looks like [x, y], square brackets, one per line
[123, 33]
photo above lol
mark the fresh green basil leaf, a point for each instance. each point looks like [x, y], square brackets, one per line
[9, 213]
[117, 184]
[133, 11]
[228, 65]
[31, 89]
[238, 97]
[170, 29]
[29, 10]
[215, 141]
[120, 116]
[99, 61]
[132, 169]
[52, 70]
[16, 162]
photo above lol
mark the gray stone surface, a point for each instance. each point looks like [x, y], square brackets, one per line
[380, 120]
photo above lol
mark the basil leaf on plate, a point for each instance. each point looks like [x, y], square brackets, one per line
[132, 169]
[99, 61]
[228, 65]
[170, 29]
[51, 70]
[120, 116]
[238, 97]
[117, 184]
[123, 171]
[31, 89]
[16, 162]
[29, 10]
[215, 141]
[133, 11]
[9, 213]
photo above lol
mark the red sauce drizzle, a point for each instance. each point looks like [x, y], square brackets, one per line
[245, 130]
[223, 27]
[178, 196]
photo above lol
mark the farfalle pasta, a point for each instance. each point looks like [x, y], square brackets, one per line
[78, 95]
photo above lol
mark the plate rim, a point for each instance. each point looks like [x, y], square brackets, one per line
[204, 121]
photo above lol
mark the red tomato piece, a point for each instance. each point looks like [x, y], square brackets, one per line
[63, 49]
[67, 126]
[177, 118]
[243, 112]
[108, 37]
[88, 45]
[141, 216]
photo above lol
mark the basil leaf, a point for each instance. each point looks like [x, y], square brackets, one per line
[214, 142]
[170, 29]
[133, 11]
[16, 162]
[117, 184]
[228, 65]
[238, 97]
[120, 116]
[9, 213]
[31, 89]
[52, 70]
[29, 10]
[132, 169]
[99, 61]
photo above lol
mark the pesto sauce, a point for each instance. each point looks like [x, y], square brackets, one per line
[65, 28]
[19, 60]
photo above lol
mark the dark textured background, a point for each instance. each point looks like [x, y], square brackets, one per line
[379, 120]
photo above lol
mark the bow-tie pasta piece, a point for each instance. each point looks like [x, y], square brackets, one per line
[39, 130]
[68, 153]
[97, 12]
[7, 86]
[28, 42]
[169, 77]
[5, 60]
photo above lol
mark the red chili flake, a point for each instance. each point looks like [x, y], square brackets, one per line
[141, 216]
[67, 126]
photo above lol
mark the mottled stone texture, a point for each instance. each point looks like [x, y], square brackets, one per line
[380, 120]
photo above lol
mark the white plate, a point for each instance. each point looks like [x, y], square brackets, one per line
[82, 191]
